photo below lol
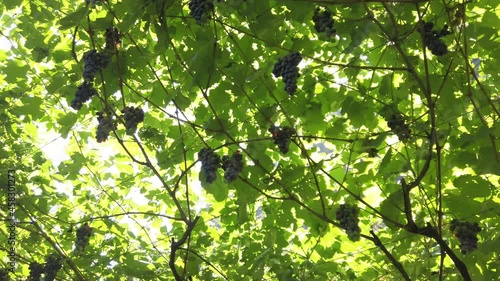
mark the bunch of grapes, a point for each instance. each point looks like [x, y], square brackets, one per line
[432, 38]
[398, 126]
[200, 9]
[94, 61]
[287, 67]
[347, 214]
[36, 271]
[82, 237]
[323, 22]
[113, 38]
[466, 233]
[4, 275]
[83, 94]
[282, 136]
[210, 162]
[232, 166]
[133, 116]
[104, 127]
[53, 263]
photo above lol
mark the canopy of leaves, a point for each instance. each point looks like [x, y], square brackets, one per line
[389, 116]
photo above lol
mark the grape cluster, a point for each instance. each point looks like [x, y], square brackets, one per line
[287, 67]
[466, 233]
[210, 162]
[323, 22]
[53, 263]
[200, 9]
[432, 38]
[94, 61]
[347, 214]
[232, 166]
[104, 127]
[113, 38]
[83, 94]
[36, 271]
[133, 116]
[4, 275]
[398, 126]
[282, 136]
[82, 237]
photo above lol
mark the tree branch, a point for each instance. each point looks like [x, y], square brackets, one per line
[393, 260]
[430, 232]
[177, 245]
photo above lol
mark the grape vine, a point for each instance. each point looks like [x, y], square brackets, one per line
[432, 38]
[82, 238]
[104, 127]
[323, 22]
[210, 162]
[232, 166]
[282, 137]
[36, 271]
[347, 214]
[53, 263]
[466, 233]
[133, 116]
[287, 67]
[200, 10]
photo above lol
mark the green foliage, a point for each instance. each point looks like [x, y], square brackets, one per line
[379, 113]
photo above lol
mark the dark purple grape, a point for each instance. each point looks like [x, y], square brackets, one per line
[287, 67]
[282, 137]
[210, 162]
[232, 166]
[347, 215]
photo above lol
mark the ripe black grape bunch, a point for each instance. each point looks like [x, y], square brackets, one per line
[113, 38]
[398, 126]
[466, 233]
[323, 22]
[105, 126]
[287, 67]
[347, 214]
[53, 263]
[282, 137]
[232, 166]
[82, 238]
[432, 38]
[83, 94]
[36, 271]
[132, 116]
[210, 162]
[94, 61]
[200, 10]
